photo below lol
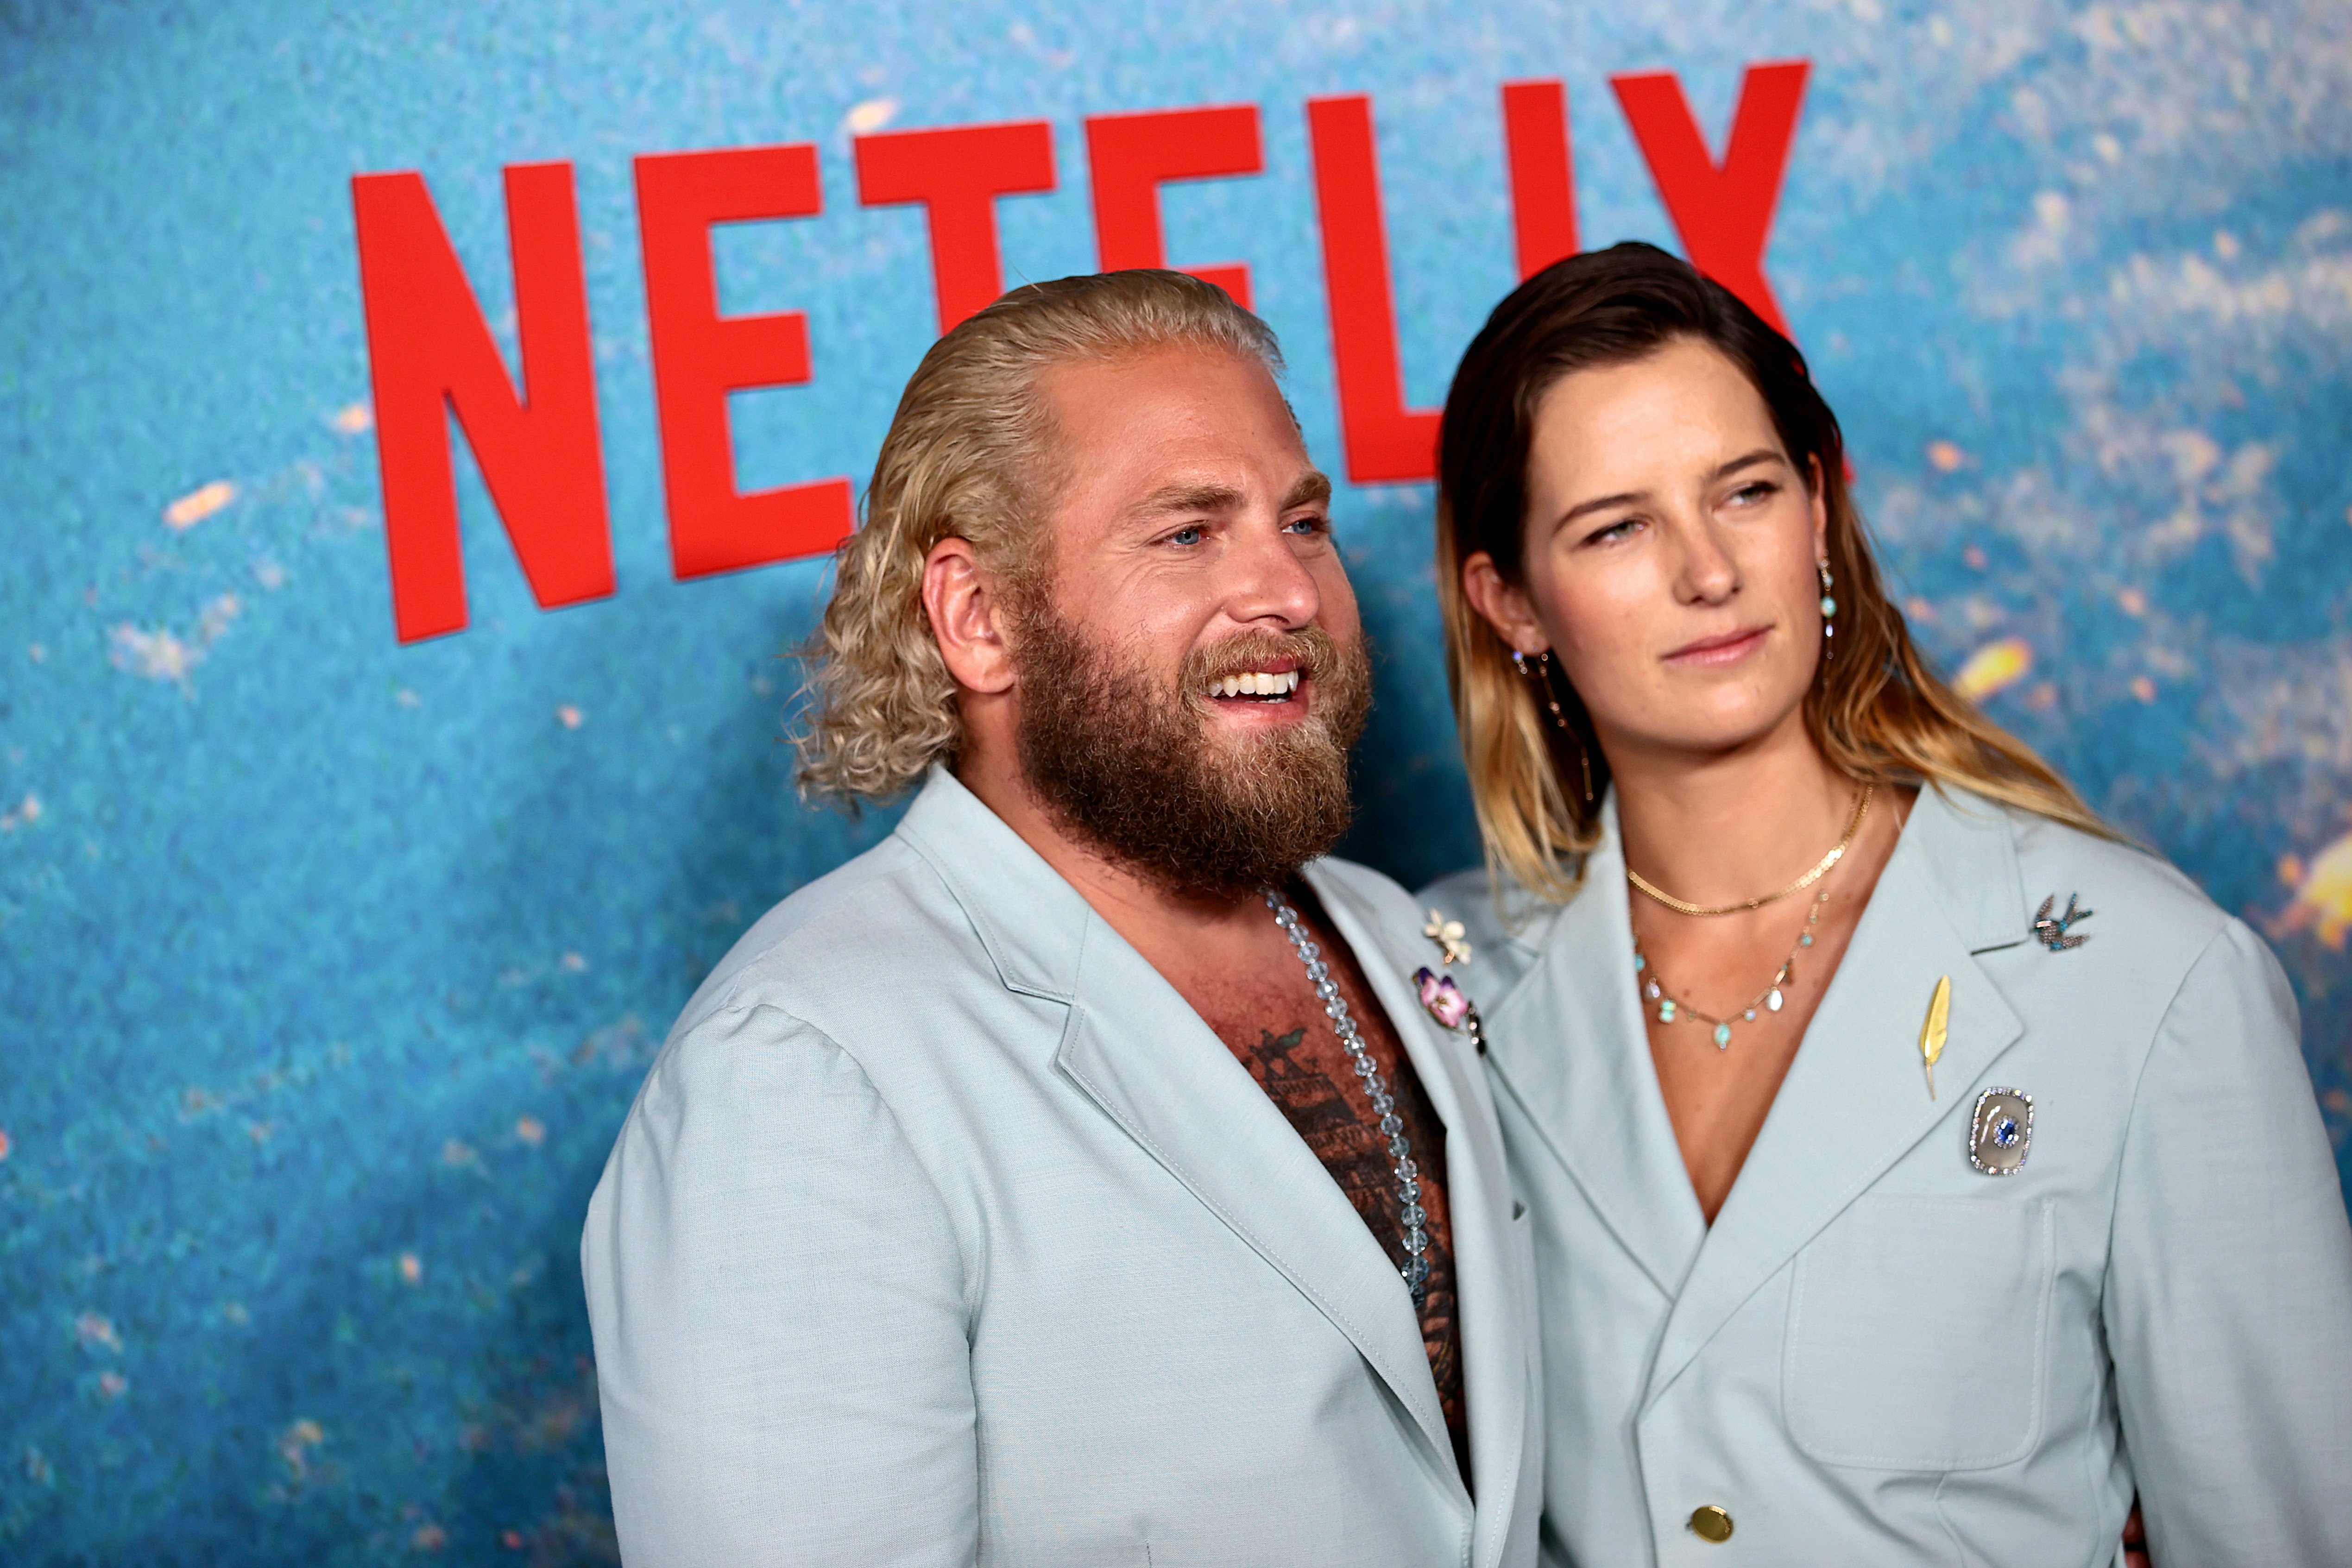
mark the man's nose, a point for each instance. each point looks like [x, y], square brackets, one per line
[1269, 582]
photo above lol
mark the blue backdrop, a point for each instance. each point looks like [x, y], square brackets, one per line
[327, 965]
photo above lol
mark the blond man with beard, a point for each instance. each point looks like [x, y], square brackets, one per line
[1075, 1177]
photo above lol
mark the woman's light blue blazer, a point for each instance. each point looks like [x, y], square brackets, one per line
[1879, 1354]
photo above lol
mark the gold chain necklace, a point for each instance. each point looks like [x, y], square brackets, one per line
[1821, 869]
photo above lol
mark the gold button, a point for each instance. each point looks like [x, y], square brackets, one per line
[1711, 1523]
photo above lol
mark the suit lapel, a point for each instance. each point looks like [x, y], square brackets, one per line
[1568, 1044]
[1855, 1098]
[1140, 1052]
[1134, 1047]
[1488, 1288]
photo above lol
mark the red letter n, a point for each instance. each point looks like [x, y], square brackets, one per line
[1384, 440]
[701, 356]
[429, 349]
[1131, 156]
[957, 174]
[1723, 212]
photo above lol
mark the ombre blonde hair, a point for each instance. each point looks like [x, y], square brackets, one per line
[1879, 713]
[970, 455]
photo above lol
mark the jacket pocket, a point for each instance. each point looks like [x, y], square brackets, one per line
[1916, 1332]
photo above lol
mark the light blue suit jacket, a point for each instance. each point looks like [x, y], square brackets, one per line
[943, 1231]
[1878, 1354]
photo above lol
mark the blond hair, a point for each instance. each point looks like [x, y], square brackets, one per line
[970, 456]
[1880, 713]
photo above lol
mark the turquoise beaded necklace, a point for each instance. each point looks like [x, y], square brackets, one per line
[1771, 999]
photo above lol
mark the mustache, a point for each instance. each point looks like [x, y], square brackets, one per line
[1310, 650]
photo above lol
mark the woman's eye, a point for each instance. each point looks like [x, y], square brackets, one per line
[1762, 490]
[1622, 530]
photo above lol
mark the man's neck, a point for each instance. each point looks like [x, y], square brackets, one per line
[1183, 935]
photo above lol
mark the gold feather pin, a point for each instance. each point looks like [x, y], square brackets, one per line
[1931, 1033]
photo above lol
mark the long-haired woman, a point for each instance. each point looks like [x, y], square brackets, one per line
[1918, 1170]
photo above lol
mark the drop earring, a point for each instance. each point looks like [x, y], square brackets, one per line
[1829, 614]
[1540, 672]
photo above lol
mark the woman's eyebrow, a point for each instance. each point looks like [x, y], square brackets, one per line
[1626, 497]
[1598, 504]
[1761, 454]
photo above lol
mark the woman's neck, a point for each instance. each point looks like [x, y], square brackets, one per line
[1721, 827]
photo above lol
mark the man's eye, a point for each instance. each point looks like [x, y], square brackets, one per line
[1190, 536]
[1310, 523]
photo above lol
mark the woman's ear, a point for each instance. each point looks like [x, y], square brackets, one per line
[965, 606]
[1503, 606]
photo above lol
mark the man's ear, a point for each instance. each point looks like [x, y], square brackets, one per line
[965, 604]
[1504, 608]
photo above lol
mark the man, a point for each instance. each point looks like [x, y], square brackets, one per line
[1073, 1178]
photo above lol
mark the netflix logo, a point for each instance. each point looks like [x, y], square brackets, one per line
[538, 447]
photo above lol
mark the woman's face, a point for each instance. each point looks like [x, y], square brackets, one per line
[1669, 553]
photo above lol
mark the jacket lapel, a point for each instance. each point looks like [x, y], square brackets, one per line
[1134, 1046]
[1569, 1045]
[1855, 1098]
[1496, 1349]
[1140, 1052]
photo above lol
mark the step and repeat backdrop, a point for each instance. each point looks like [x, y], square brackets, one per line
[423, 427]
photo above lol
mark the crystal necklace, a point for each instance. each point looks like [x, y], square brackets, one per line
[1335, 1007]
[1769, 998]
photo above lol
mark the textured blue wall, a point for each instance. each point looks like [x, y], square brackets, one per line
[328, 967]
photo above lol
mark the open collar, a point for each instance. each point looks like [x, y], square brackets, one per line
[1570, 1044]
[1133, 1045]
[1855, 1100]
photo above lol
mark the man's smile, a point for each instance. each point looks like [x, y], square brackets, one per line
[1255, 685]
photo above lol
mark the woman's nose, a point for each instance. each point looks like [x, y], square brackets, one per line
[1709, 575]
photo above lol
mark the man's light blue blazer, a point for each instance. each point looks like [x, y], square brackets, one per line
[943, 1231]
[1879, 1354]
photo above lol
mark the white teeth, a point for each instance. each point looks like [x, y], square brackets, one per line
[1256, 683]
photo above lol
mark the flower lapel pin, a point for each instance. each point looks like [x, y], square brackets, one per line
[1446, 1002]
[2054, 933]
[1447, 934]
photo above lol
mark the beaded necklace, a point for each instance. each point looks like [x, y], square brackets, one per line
[1335, 1007]
[1771, 999]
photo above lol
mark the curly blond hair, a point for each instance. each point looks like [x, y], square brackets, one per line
[970, 456]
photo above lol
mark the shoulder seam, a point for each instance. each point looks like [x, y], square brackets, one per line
[975, 1284]
[2139, 1079]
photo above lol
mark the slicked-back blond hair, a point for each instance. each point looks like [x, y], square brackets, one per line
[970, 455]
[1879, 711]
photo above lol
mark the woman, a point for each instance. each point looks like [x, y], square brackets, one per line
[1918, 1171]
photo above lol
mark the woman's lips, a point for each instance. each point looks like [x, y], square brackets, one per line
[1728, 648]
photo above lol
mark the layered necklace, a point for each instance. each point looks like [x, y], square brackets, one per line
[1771, 998]
[1335, 1007]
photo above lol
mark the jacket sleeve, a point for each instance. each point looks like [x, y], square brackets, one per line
[778, 1301]
[2229, 1303]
